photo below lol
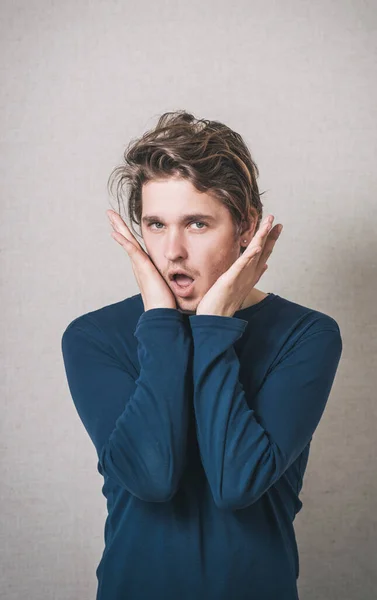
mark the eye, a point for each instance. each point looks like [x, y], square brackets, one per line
[201, 222]
[196, 222]
[153, 223]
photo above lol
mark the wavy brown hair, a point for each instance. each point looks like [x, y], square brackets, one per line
[210, 155]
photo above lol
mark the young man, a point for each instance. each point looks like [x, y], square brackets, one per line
[201, 394]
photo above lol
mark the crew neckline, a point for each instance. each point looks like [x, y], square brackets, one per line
[254, 307]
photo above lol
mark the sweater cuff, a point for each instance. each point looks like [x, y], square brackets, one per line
[218, 322]
[159, 316]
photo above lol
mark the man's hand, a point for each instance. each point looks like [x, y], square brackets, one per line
[229, 291]
[154, 290]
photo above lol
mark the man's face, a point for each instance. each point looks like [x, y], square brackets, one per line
[204, 247]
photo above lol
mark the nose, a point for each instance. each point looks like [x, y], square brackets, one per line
[175, 247]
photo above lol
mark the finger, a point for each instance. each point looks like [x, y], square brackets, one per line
[261, 235]
[139, 257]
[259, 238]
[125, 243]
[242, 262]
[260, 274]
[269, 244]
[120, 226]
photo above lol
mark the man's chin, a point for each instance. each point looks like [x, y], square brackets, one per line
[184, 307]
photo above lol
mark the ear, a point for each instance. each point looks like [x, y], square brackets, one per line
[248, 226]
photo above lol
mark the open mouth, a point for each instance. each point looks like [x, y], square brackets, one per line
[182, 284]
[182, 280]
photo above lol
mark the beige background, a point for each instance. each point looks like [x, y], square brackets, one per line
[79, 79]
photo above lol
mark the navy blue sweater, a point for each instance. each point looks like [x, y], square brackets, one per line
[202, 426]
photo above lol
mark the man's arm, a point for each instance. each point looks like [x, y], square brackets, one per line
[245, 451]
[139, 428]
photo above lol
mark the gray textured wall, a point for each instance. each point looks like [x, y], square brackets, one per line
[78, 81]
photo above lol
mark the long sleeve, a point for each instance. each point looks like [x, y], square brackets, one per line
[245, 451]
[138, 427]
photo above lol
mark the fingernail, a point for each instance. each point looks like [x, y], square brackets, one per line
[280, 228]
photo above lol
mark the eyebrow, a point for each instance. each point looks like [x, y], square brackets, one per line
[183, 219]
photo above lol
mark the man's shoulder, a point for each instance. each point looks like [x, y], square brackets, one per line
[294, 324]
[303, 317]
[111, 318]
